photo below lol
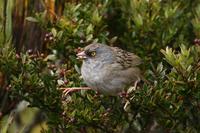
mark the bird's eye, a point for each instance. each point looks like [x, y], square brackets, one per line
[93, 53]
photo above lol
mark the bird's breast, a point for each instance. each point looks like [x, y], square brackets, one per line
[93, 74]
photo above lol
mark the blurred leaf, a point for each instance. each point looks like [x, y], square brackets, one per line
[32, 19]
[54, 32]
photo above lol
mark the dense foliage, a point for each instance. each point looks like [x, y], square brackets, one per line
[163, 33]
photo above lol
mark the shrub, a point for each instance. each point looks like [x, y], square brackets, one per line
[161, 32]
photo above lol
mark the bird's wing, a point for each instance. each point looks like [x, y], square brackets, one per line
[117, 80]
[126, 59]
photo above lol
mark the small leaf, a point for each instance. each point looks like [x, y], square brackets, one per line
[31, 19]
[77, 69]
[76, 7]
[89, 37]
[54, 32]
[96, 18]
[50, 57]
[89, 97]
[160, 67]
[60, 82]
[138, 20]
[59, 35]
[89, 29]
[113, 40]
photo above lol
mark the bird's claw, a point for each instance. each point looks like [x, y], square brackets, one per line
[66, 91]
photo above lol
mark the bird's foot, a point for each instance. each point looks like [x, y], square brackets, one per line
[66, 91]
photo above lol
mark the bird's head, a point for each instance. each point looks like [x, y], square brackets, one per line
[96, 52]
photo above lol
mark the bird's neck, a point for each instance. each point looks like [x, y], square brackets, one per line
[93, 64]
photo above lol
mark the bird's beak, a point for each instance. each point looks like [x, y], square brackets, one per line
[81, 55]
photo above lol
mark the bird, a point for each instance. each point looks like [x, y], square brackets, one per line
[109, 70]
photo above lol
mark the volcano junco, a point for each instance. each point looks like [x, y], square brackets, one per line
[109, 70]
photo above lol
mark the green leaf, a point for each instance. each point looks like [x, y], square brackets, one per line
[59, 35]
[159, 67]
[96, 18]
[89, 37]
[32, 19]
[54, 32]
[138, 20]
[89, 29]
